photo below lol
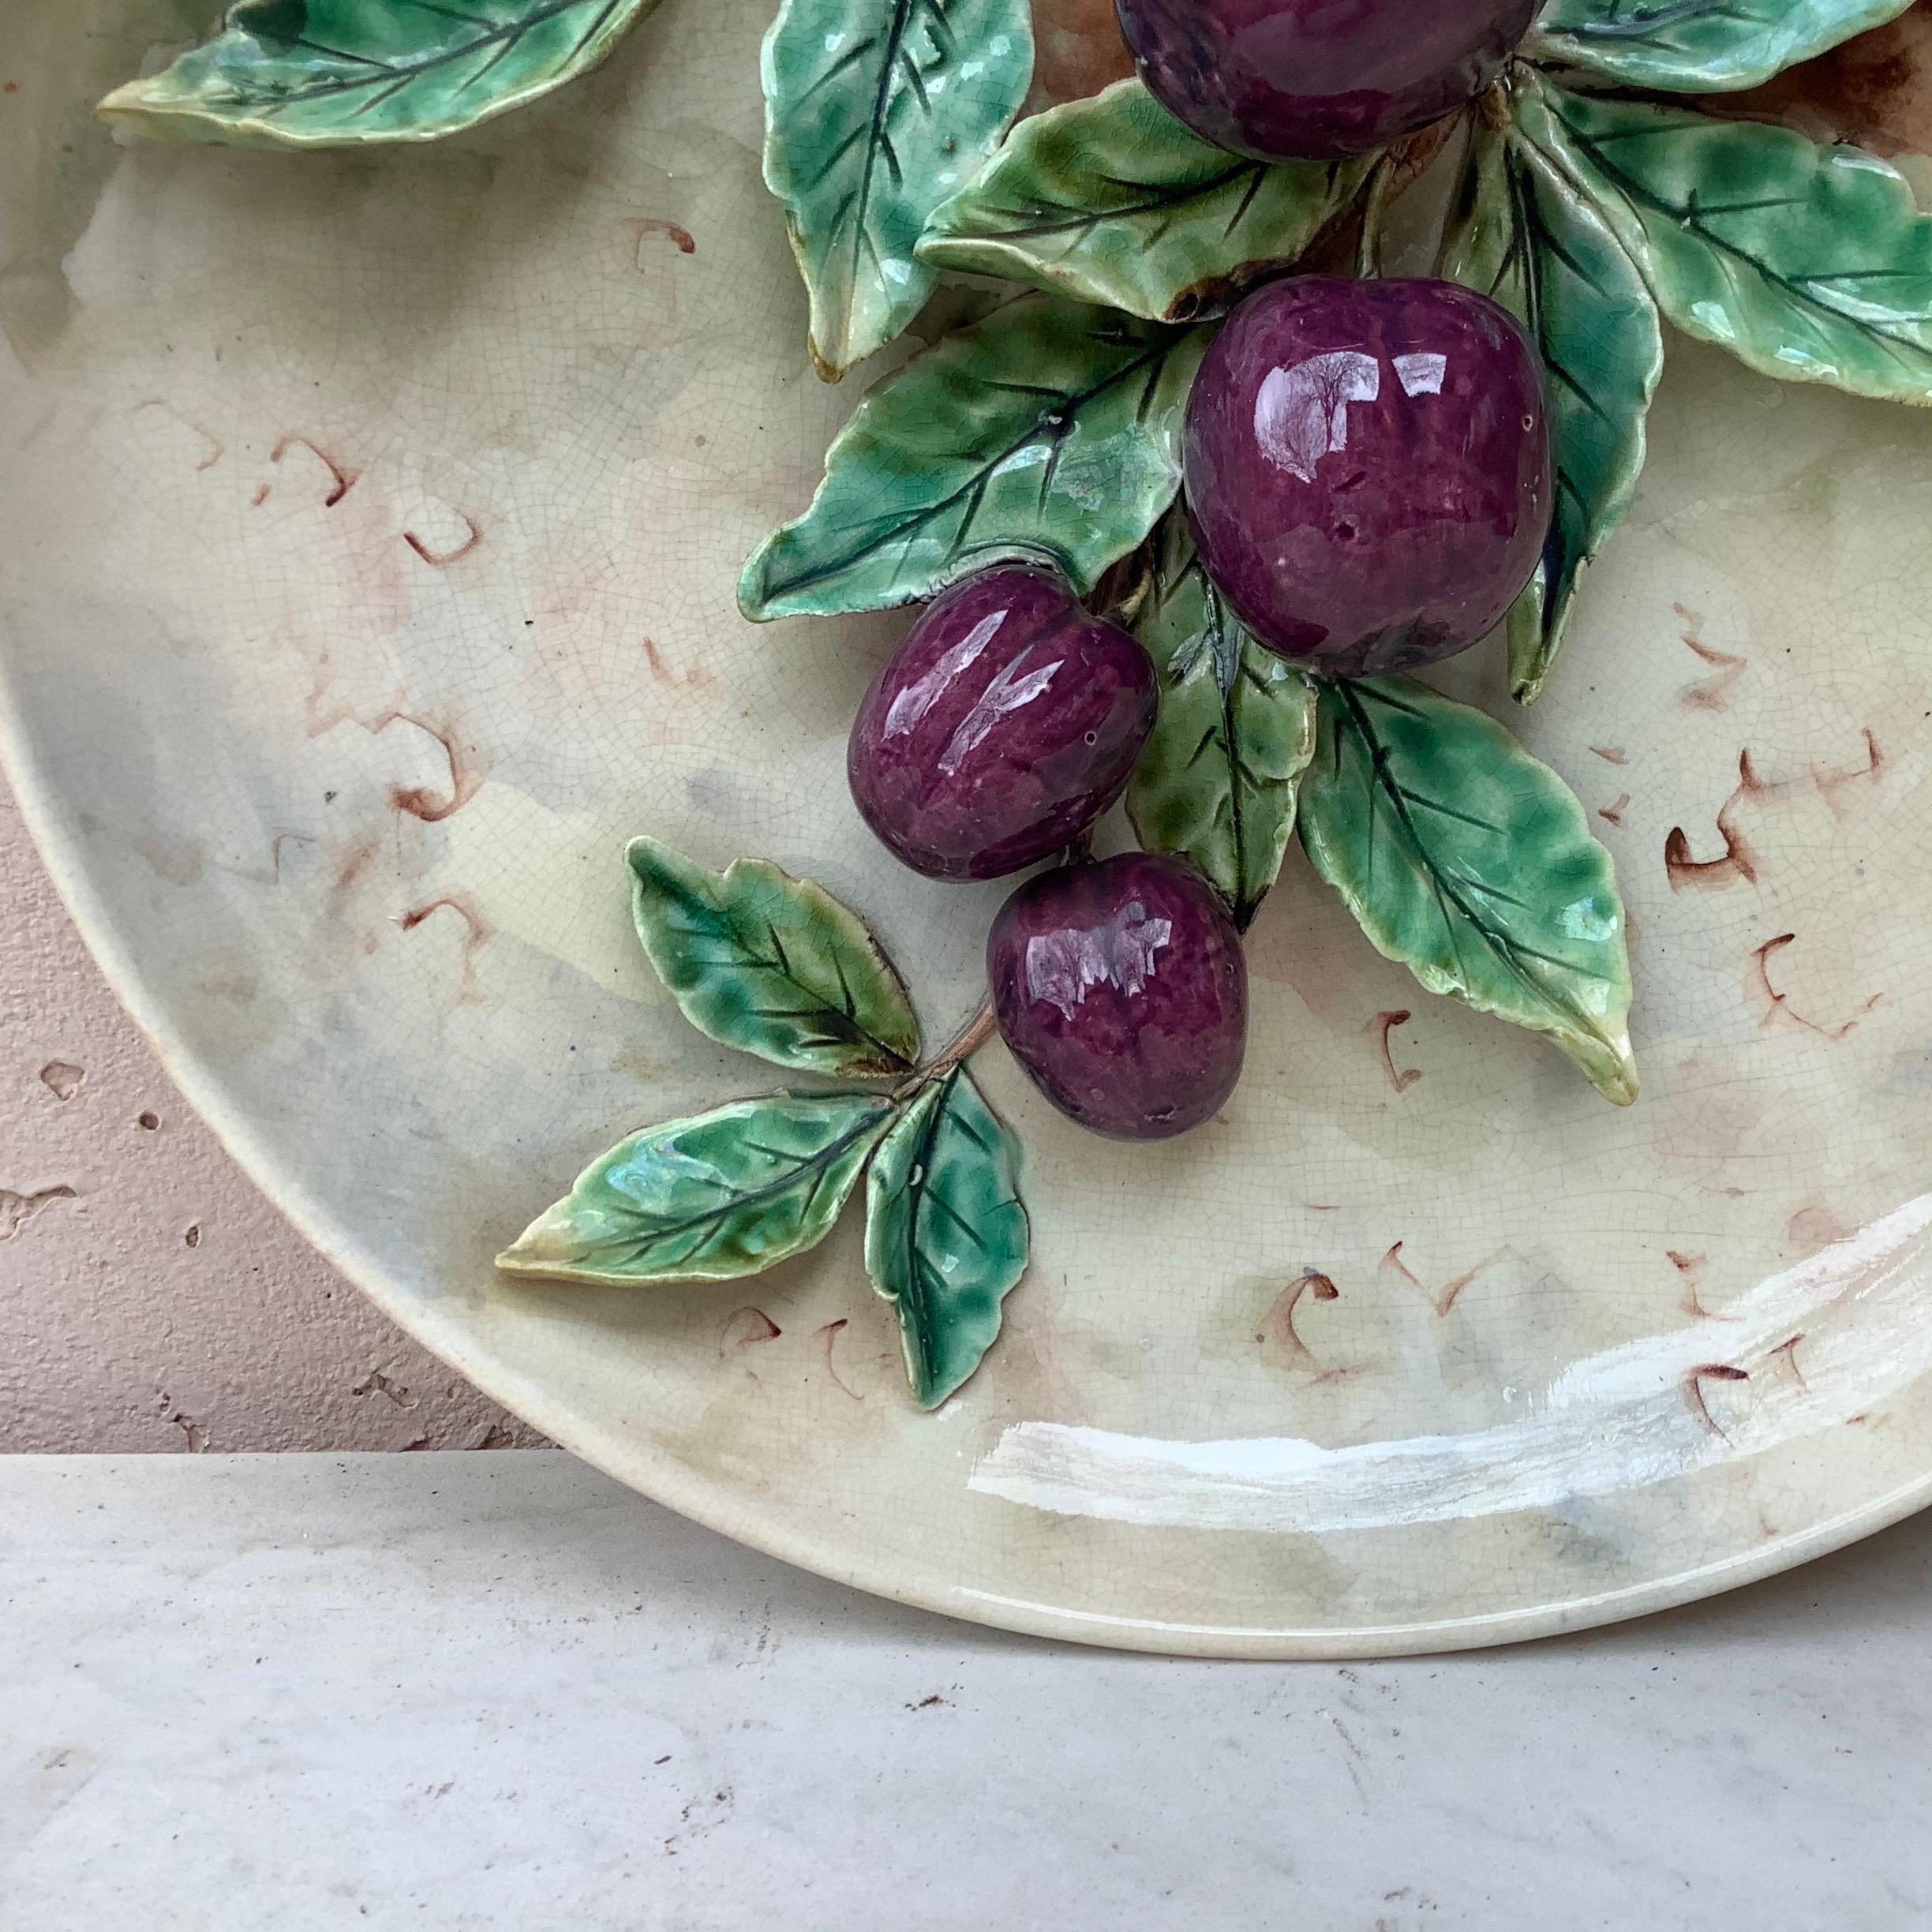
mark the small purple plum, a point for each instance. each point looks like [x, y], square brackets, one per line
[1006, 723]
[1122, 988]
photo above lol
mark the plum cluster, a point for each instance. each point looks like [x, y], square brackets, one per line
[1367, 469]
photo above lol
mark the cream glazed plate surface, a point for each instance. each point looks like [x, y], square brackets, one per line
[369, 528]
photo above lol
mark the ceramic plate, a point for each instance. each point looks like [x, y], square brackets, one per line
[371, 522]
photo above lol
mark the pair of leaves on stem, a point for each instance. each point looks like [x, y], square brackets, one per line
[777, 966]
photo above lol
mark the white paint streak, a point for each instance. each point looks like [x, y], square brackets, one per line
[1621, 1420]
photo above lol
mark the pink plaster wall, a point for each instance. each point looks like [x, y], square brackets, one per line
[150, 1297]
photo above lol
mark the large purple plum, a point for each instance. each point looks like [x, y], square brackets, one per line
[1368, 469]
[1006, 723]
[1319, 79]
[1121, 987]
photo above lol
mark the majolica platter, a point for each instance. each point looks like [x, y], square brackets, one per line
[433, 557]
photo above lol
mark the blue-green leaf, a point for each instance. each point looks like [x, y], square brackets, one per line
[1810, 263]
[327, 73]
[875, 112]
[1473, 865]
[1522, 233]
[1217, 783]
[772, 965]
[1111, 199]
[946, 1234]
[1051, 430]
[1700, 47]
[725, 1195]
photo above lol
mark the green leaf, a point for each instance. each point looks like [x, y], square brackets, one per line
[1810, 263]
[725, 1195]
[1217, 784]
[1471, 864]
[1050, 430]
[327, 73]
[946, 1235]
[1111, 199]
[1700, 47]
[875, 111]
[772, 965]
[1523, 234]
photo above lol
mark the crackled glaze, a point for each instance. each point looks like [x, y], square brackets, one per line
[338, 809]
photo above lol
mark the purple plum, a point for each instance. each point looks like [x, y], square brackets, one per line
[1121, 987]
[1368, 469]
[1006, 723]
[1319, 79]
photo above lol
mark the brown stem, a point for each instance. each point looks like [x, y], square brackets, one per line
[971, 1037]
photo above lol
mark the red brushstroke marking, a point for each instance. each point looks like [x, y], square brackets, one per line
[1693, 1390]
[470, 994]
[1392, 1263]
[1737, 860]
[466, 778]
[1714, 693]
[686, 242]
[1789, 1351]
[1611, 754]
[356, 862]
[218, 449]
[346, 479]
[441, 559]
[1830, 783]
[750, 1327]
[1278, 1322]
[1613, 814]
[1781, 1002]
[830, 1333]
[1401, 1079]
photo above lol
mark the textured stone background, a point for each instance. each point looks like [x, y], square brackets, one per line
[150, 1297]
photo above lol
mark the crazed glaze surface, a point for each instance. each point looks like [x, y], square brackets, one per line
[1003, 726]
[1122, 988]
[1368, 469]
[370, 528]
[1274, 78]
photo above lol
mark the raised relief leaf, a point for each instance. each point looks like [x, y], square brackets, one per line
[725, 1195]
[875, 112]
[946, 1236]
[1111, 199]
[772, 965]
[1810, 263]
[327, 73]
[1700, 47]
[1471, 864]
[1217, 784]
[1051, 430]
[1523, 234]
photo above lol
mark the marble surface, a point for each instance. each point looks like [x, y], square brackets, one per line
[494, 1691]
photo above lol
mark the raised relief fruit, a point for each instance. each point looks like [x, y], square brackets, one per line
[1006, 723]
[1368, 469]
[1319, 79]
[1121, 989]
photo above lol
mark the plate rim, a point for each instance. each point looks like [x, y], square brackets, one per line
[661, 1478]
